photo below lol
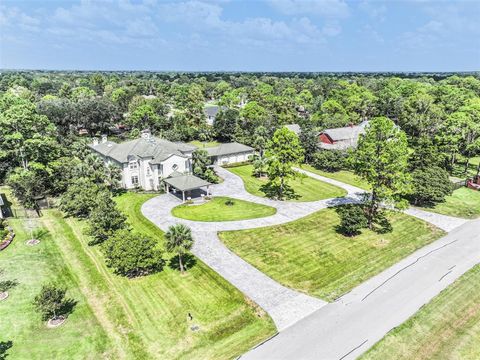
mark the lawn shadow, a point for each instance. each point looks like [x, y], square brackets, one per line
[68, 307]
[189, 261]
[4, 346]
[7, 285]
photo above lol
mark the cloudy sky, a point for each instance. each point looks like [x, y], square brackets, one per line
[270, 35]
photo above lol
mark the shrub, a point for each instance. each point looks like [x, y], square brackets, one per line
[131, 254]
[329, 160]
[352, 219]
[430, 185]
[229, 202]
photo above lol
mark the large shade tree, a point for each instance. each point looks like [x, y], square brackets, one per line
[381, 159]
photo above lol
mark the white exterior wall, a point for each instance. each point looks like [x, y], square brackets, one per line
[169, 163]
[233, 158]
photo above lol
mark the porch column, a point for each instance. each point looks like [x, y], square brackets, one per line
[183, 195]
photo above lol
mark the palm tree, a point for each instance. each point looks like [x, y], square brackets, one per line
[179, 240]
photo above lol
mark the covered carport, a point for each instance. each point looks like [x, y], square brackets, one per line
[186, 184]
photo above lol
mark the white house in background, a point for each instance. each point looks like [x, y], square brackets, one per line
[211, 112]
[146, 162]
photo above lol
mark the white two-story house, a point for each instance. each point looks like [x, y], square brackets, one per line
[146, 161]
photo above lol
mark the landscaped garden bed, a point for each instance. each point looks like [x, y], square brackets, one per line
[310, 255]
[223, 209]
[307, 188]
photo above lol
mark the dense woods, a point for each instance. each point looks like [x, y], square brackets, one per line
[46, 118]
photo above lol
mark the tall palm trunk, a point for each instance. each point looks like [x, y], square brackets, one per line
[180, 261]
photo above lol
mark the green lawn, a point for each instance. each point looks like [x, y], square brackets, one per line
[217, 210]
[463, 203]
[81, 337]
[448, 327]
[144, 318]
[204, 144]
[310, 256]
[306, 187]
[345, 176]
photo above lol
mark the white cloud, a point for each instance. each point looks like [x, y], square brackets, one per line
[327, 8]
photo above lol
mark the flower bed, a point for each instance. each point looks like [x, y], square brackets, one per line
[7, 239]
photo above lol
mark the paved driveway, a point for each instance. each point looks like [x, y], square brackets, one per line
[284, 305]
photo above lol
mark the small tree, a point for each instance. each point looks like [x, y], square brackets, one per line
[50, 301]
[260, 166]
[430, 185]
[105, 219]
[79, 199]
[201, 161]
[352, 219]
[179, 240]
[131, 254]
[283, 151]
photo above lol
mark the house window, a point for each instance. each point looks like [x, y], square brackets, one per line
[148, 171]
[160, 169]
[175, 167]
[135, 180]
[133, 165]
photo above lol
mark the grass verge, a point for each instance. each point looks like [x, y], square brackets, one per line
[223, 209]
[307, 188]
[463, 203]
[448, 327]
[80, 337]
[309, 255]
[345, 176]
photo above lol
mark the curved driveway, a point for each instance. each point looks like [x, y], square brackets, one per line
[284, 305]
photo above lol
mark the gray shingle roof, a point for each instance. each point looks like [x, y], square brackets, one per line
[228, 149]
[156, 148]
[211, 110]
[294, 127]
[346, 133]
[186, 182]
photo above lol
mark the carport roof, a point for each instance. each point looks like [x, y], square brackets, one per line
[186, 182]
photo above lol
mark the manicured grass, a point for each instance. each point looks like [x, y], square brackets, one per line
[309, 255]
[463, 203]
[306, 187]
[80, 337]
[345, 176]
[204, 144]
[217, 210]
[448, 327]
[147, 317]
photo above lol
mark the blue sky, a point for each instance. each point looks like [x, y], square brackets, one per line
[276, 35]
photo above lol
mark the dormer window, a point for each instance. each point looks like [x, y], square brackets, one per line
[133, 165]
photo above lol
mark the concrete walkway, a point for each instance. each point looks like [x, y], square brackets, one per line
[284, 305]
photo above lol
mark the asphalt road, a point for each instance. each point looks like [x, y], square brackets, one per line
[350, 326]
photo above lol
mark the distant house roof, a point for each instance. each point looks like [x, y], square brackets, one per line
[1, 200]
[228, 149]
[211, 110]
[186, 182]
[345, 137]
[294, 127]
[153, 147]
